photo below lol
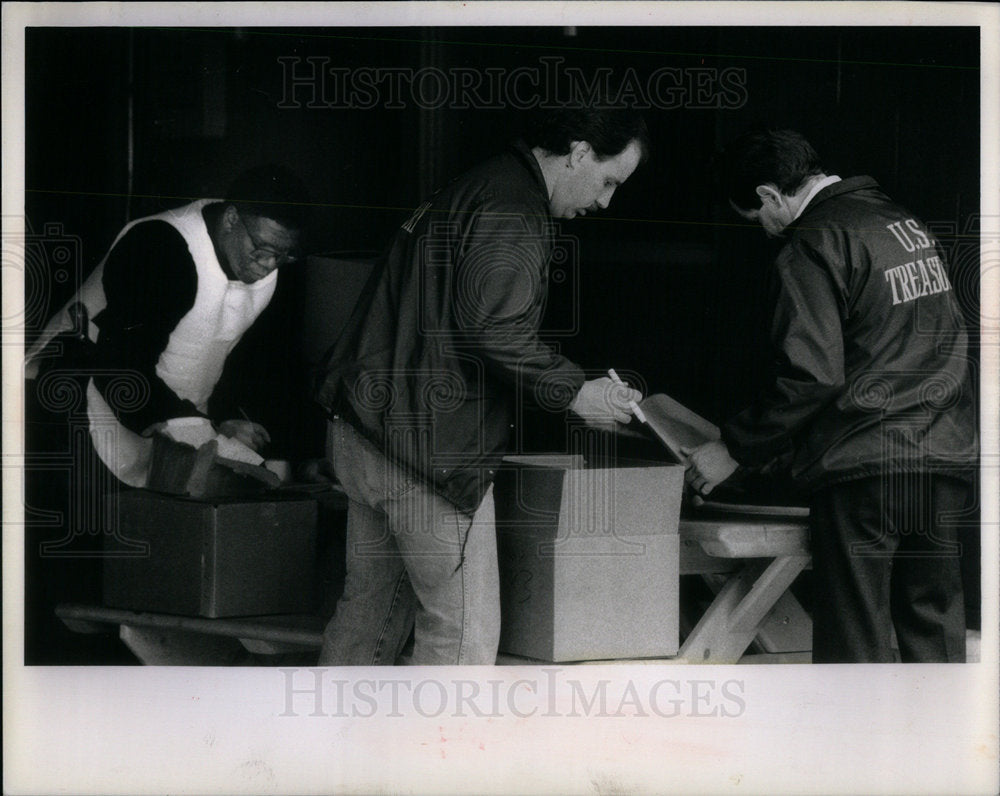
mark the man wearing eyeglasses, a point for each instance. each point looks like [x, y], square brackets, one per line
[168, 304]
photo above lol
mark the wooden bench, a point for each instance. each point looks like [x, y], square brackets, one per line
[169, 640]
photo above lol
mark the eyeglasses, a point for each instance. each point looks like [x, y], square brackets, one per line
[264, 255]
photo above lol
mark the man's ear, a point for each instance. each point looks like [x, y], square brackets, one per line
[768, 193]
[578, 151]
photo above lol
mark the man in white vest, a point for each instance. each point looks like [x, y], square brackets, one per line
[167, 305]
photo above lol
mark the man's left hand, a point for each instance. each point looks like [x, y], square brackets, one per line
[708, 466]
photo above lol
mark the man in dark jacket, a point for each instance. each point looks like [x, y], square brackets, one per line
[872, 394]
[427, 383]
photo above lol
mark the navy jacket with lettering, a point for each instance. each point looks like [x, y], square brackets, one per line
[872, 364]
[445, 341]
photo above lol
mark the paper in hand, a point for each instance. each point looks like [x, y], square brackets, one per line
[676, 426]
[236, 451]
[196, 431]
[193, 431]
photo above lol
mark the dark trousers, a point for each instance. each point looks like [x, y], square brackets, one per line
[886, 555]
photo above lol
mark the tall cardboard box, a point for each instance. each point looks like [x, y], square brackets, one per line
[588, 558]
[213, 557]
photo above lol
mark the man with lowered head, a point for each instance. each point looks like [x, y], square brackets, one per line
[168, 304]
[163, 311]
[425, 388]
[872, 394]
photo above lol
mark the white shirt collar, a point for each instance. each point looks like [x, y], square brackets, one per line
[819, 186]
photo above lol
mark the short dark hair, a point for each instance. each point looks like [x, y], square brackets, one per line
[783, 158]
[607, 129]
[271, 191]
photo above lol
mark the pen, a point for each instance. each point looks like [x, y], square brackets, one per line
[632, 404]
[259, 434]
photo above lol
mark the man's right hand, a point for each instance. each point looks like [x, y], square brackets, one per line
[602, 402]
[251, 434]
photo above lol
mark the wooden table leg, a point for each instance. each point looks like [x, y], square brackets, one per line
[734, 618]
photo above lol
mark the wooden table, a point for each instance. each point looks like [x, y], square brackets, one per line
[749, 561]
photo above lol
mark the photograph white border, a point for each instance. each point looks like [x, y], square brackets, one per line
[801, 729]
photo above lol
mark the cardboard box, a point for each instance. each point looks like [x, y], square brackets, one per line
[218, 557]
[588, 558]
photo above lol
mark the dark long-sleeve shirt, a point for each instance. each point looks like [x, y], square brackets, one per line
[150, 282]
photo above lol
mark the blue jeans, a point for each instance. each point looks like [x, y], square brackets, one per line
[413, 560]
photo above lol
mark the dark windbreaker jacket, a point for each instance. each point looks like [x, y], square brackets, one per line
[873, 371]
[444, 342]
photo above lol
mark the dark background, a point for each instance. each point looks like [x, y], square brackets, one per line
[668, 282]
[123, 122]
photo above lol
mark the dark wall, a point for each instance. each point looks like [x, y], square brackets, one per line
[667, 284]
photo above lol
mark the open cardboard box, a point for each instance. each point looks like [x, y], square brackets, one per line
[180, 469]
[588, 558]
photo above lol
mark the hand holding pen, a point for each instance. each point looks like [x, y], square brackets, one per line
[604, 401]
[251, 434]
[636, 411]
